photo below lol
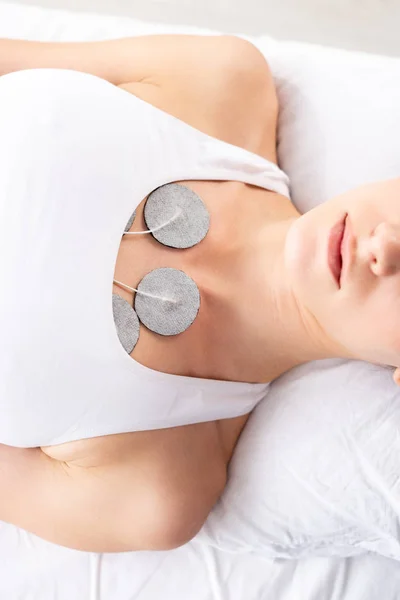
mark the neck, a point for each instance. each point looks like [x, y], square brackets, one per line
[294, 335]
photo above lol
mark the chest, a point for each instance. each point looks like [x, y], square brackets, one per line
[227, 267]
[224, 266]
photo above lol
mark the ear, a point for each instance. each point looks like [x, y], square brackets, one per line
[396, 376]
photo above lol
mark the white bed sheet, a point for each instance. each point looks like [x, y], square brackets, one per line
[34, 569]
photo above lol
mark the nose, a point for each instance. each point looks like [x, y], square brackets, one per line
[384, 249]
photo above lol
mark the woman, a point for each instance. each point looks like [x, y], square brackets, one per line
[87, 136]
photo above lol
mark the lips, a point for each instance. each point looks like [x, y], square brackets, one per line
[334, 249]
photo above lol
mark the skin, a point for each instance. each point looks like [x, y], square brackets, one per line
[360, 320]
[154, 489]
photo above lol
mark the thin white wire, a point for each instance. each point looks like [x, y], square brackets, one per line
[176, 215]
[145, 293]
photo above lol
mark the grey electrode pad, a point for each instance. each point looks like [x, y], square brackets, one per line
[129, 223]
[162, 316]
[126, 322]
[189, 228]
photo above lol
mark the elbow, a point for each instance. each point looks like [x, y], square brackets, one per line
[243, 59]
[174, 538]
[162, 532]
[245, 71]
[175, 522]
[177, 533]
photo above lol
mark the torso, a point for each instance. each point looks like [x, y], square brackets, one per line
[225, 267]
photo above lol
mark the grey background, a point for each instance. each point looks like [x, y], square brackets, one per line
[369, 25]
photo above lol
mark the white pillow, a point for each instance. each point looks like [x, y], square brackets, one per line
[317, 468]
[340, 119]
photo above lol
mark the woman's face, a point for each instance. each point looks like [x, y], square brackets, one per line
[361, 312]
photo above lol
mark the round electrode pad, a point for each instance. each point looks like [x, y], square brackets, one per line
[190, 220]
[126, 322]
[129, 223]
[160, 314]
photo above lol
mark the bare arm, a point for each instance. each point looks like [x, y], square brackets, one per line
[149, 58]
[114, 505]
[220, 84]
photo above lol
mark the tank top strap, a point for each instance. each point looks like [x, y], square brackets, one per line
[184, 148]
[240, 164]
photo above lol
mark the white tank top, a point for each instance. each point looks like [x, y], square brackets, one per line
[77, 155]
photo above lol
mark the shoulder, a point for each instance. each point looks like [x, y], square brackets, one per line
[231, 97]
